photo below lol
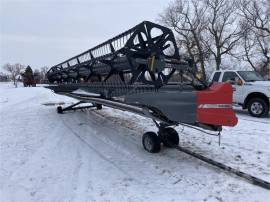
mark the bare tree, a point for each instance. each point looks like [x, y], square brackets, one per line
[256, 36]
[249, 44]
[224, 34]
[257, 14]
[187, 19]
[14, 70]
[43, 72]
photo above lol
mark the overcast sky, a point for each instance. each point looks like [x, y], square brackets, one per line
[46, 32]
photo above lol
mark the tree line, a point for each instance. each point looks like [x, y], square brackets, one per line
[216, 34]
[220, 34]
[16, 70]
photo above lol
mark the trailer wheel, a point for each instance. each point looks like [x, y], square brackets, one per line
[59, 110]
[151, 142]
[169, 137]
[99, 106]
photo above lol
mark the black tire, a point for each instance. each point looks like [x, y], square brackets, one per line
[169, 137]
[257, 107]
[99, 106]
[59, 110]
[151, 142]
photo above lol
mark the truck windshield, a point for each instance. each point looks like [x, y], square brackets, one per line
[250, 76]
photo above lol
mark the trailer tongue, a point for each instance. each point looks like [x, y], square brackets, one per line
[141, 71]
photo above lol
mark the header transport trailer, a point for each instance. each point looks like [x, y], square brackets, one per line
[141, 71]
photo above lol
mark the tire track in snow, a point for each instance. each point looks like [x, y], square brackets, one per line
[237, 162]
[93, 148]
[19, 181]
[109, 118]
[28, 100]
[173, 177]
[109, 159]
[169, 177]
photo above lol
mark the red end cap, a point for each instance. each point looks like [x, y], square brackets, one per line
[214, 105]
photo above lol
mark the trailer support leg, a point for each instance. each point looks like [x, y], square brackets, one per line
[60, 110]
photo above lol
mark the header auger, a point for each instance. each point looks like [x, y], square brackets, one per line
[141, 71]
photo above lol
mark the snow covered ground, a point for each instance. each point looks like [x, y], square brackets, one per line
[98, 156]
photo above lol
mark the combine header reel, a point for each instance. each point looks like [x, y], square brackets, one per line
[141, 71]
[143, 53]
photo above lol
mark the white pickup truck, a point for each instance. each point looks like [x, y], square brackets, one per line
[251, 91]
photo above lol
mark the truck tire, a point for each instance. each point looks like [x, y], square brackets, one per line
[257, 107]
